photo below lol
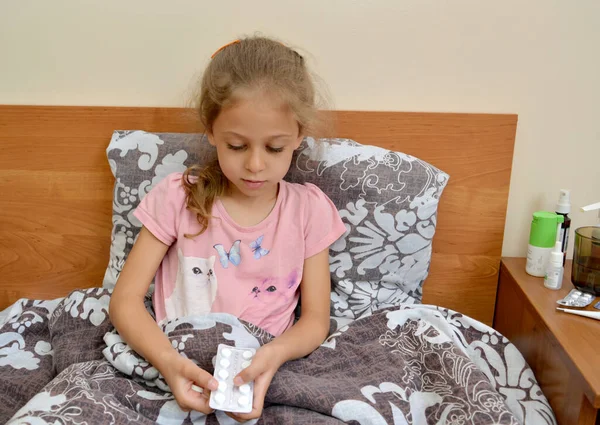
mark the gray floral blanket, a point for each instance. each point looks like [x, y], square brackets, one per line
[61, 362]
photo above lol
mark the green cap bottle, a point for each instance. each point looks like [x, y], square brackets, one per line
[542, 239]
[543, 229]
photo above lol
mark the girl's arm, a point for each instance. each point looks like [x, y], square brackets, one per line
[127, 311]
[135, 325]
[313, 326]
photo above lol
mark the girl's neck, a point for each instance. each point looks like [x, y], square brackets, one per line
[248, 211]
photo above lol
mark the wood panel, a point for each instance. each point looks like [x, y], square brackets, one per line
[56, 186]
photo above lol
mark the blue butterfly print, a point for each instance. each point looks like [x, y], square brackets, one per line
[232, 256]
[258, 250]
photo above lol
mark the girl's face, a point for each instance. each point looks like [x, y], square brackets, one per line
[255, 138]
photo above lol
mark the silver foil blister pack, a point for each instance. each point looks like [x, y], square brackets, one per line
[576, 298]
[228, 397]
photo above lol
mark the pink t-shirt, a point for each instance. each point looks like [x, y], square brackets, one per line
[250, 272]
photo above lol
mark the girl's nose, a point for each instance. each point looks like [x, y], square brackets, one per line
[255, 162]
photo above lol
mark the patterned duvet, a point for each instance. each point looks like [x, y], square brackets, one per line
[61, 362]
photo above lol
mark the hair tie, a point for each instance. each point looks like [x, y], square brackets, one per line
[223, 47]
[238, 41]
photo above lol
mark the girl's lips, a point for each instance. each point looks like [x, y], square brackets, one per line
[253, 184]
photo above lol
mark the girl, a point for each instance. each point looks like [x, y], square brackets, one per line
[234, 237]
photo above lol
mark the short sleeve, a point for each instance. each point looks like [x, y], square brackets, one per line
[322, 222]
[161, 208]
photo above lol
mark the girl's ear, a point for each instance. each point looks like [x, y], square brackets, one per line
[211, 138]
[298, 141]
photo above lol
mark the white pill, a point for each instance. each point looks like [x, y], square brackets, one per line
[226, 352]
[245, 365]
[223, 373]
[222, 386]
[219, 398]
[197, 388]
[243, 400]
[245, 389]
[247, 355]
[224, 363]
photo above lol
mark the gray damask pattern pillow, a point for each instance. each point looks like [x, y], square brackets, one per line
[388, 201]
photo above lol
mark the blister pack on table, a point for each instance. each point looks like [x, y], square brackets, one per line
[576, 298]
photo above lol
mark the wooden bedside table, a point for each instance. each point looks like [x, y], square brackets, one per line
[562, 349]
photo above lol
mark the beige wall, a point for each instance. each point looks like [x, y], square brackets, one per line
[537, 58]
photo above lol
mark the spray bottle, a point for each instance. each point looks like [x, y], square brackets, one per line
[563, 207]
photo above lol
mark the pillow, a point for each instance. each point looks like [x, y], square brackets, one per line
[138, 161]
[388, 201]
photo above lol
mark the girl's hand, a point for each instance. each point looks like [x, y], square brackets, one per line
[180, 374]
[264, 365]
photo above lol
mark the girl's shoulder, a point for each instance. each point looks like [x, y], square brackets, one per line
[170, 185]
[319, 217]
[304, 191]
[169, 192]
[308, 195]
[163, 208]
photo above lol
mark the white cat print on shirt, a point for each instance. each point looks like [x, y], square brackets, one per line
[195, 287]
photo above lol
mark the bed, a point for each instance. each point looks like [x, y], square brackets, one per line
[55, 237]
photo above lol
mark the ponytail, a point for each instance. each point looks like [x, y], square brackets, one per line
[203, 185]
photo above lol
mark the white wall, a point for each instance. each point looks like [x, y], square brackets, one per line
[537, 58]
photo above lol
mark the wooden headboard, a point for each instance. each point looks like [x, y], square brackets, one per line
[56, 194]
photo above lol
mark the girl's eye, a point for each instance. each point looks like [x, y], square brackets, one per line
[274, 150]
[235, 147]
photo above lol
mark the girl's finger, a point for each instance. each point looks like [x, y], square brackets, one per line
[250, 373]
[199, 376]
[192, 400]
[236, 417]
[201, 391]
[261, 385]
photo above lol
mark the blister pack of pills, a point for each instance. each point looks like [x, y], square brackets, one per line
[229, 362]
[576, 298]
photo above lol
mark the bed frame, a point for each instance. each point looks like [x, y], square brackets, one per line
[56, 193]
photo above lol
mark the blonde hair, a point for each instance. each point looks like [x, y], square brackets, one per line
[250, 64]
